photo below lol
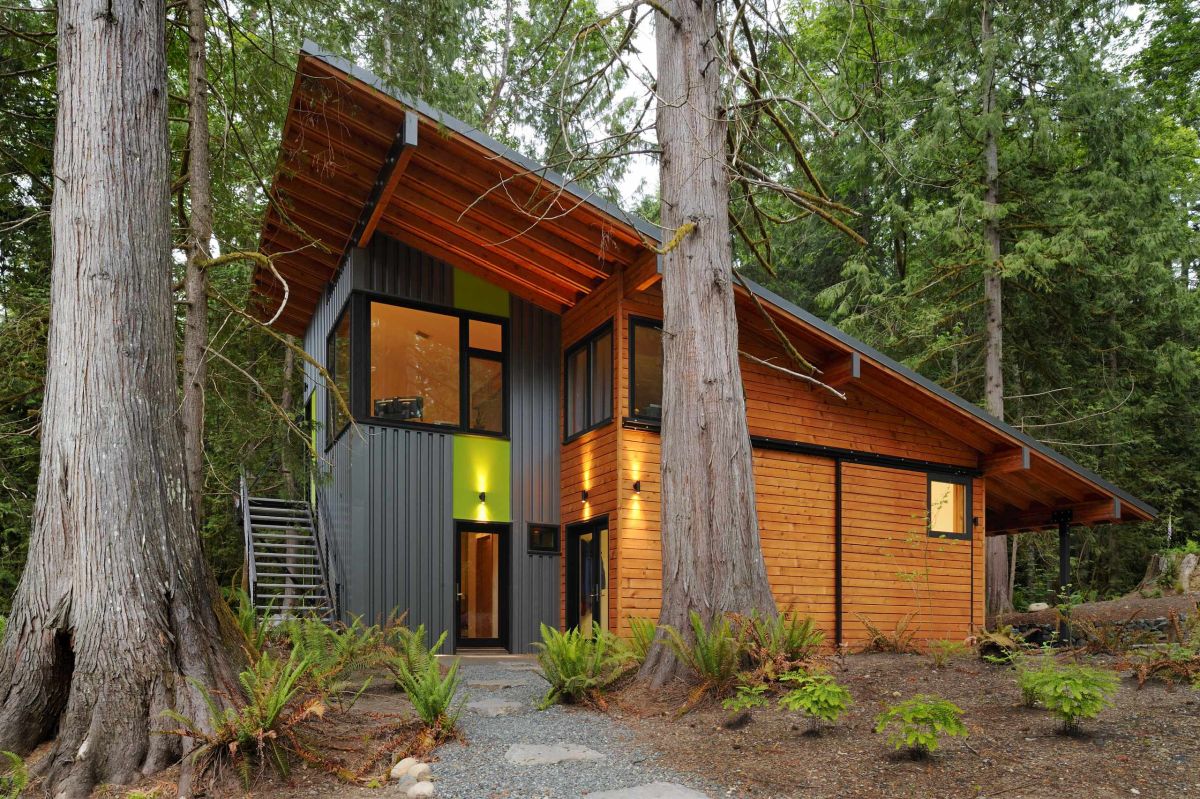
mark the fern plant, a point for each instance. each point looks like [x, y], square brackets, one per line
[580, 666]
[918, 724]
[15, 775]
[818, 696]
[641, 636]
[433, 695]
[943, 650]
[255, 628]
[779, 644]
[1072, 692]
[336, 652]
[261, 728]
[716, 654]
[408, 648]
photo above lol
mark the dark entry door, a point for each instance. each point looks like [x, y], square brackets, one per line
[481, 585]
[587, 574]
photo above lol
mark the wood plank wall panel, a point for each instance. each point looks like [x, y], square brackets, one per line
[589, 463]
[892, 568]
[779, 406]
[796, 516]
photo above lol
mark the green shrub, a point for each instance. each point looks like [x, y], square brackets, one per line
[432, 694]
[641, 636]
[818, 696]
[943, 650]
[716, 656]
[15, 776]
[1031, 673]
[262, 729]
[1072, 692]
[778, 644]
[747, 697]
[919, 723]
[580, 666]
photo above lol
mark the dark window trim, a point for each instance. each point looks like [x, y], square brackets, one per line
[532, 550]
[968, 521]
[588, 341]
[635, 321]
[331, 435]
[362, 411]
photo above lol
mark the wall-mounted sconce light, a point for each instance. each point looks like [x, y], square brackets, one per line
[583, 496]
[483, 496]
[637, 486]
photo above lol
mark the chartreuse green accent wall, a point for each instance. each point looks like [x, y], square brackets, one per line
[476, 294]
[482, 464]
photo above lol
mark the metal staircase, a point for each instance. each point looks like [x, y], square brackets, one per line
[284, 560]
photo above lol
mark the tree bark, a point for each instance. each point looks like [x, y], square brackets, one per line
[999, 599]
[195, 329]
[115, 607]
[711, 553]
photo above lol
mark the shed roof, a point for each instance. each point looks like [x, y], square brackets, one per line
[357, 157]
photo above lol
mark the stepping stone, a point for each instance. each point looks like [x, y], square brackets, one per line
[495, 707]
[652, 790]
[522, 666]
[549, 754]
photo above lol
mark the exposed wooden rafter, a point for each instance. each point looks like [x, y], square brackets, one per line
[1103, 511]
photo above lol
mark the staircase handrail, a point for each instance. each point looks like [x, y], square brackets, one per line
[319, 527]
[248, 535]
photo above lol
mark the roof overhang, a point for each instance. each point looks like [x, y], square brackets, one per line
[1027, 481]
[357, 158]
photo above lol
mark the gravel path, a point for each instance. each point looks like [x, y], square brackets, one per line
[479, 769]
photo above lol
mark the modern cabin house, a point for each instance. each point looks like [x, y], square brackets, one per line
[496, 334]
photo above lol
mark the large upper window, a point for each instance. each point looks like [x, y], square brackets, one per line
[337, 363]
[949, 506]
[646, 370]
[589, 383]
[434, 368]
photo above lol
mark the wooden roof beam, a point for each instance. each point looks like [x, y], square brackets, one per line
[842, 371]
[1005, 460]
[394, 165]
[1104, 511]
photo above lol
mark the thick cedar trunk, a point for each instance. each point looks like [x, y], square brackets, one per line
[999, 600]
[712, 558]
[116, 604]
[195, 330]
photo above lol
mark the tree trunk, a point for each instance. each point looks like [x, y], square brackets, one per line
[999, 600]
[711, 554]
[116, 604]
[195, 330]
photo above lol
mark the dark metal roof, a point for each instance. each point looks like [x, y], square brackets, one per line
[652, 232]
[588, 196]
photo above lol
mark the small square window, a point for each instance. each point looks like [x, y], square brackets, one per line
[949, 506]
[543, 539]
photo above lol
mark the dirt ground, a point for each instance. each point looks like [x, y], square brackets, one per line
[1147, 745]
[1114, 610]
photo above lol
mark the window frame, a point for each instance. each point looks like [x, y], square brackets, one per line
[969, 519]
[588, 342]
[635, 322]
[530, 549]
[362, 411]
[332, 435]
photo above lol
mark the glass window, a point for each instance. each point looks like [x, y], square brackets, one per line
[415, 365]
[645, 398]
[948, 506]
[486, 402]
[337, 363]
[485, 336]
[543, 538]
[589, 383]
